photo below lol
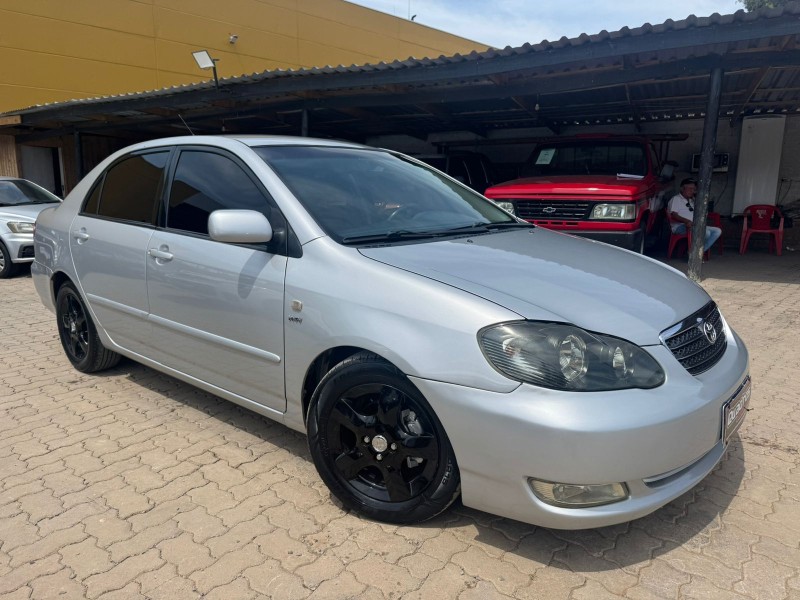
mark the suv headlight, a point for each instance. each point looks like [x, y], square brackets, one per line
[20, 227]
[565, 357]
[615, 212]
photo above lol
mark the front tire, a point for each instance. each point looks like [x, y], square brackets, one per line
[378, 445]
[78, 334]
[7, 268]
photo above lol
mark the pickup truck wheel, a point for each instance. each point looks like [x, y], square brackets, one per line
[378, 445]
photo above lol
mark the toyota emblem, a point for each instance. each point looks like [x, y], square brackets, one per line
[710, 332]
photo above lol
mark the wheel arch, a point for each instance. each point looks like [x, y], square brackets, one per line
[58, 279]
[320, 366]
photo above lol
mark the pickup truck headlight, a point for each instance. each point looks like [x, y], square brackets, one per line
[614, 212]
[20, 227]
[565, 357]
[506, 206]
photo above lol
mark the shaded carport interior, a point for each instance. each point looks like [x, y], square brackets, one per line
[650, 79]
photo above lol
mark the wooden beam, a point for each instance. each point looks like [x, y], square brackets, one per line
[10, 120]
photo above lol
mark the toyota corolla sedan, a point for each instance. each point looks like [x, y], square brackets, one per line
[20, 201]
[430, 344]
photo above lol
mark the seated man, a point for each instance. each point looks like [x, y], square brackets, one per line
[681, 213]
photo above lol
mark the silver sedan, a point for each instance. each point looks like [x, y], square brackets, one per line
[430, 344]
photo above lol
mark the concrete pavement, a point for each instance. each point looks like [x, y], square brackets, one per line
[130, 484]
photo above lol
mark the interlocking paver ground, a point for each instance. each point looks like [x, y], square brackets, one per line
[131, 484]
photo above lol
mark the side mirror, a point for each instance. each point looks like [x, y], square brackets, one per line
[668, 171]
[239, 227]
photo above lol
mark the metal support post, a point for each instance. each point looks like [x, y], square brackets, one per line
[704, 183]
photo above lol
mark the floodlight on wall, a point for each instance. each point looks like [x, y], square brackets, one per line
[204, 61]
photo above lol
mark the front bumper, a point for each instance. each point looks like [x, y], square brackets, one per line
[630, 240]
[20, 246]
[672, 434]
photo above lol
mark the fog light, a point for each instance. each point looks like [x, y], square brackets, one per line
[575, 495]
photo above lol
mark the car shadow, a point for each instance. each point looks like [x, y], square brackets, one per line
[688, 521]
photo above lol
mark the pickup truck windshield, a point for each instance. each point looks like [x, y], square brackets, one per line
[362, 195]
[588, 157]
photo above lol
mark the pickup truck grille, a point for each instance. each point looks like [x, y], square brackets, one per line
[693, 343]
[548, 210]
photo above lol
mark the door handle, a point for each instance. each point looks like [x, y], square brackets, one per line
[160, 254]
[80, 235]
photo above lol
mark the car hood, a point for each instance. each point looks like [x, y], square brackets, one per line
[545, 275]
[569, 185]
[24, 212]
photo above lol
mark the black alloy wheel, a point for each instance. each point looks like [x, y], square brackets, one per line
[378, 445]
[78, 334]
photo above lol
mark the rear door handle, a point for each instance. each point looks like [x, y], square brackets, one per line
[160, 254]
[80, 235]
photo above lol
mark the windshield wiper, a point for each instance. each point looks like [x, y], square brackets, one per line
[481, 227]
[390, 236]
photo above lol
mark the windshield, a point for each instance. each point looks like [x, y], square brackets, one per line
[588, 157]
[360, 195]
[18, 191]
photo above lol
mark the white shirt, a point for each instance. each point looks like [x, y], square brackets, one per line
[678, 204]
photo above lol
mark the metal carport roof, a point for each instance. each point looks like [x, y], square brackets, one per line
[648, 73]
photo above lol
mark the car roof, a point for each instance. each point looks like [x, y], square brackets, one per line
[247, 140]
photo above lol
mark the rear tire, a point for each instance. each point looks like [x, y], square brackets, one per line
[378, 445]
[7, 268]
[78, 334]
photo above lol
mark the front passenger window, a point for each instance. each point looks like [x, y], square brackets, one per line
[205, 182]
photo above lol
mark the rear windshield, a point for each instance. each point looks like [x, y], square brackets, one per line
[354, 192]
[18, 192]
[588, 157]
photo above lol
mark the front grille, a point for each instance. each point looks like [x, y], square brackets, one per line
[548, 210]
[25, 252]
[689, 343]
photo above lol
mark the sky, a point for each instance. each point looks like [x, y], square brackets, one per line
[503, 23]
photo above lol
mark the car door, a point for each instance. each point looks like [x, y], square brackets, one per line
[108, 242]
[217, 308]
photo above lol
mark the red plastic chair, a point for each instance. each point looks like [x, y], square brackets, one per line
[674, 238]
[760, 221]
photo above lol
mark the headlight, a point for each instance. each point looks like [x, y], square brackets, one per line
[564, 357]
[20, 227]
[507, 206]
[616, 212]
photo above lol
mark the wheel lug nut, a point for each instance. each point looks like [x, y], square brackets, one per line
[393, 446]
[366, 439]
[379, 457]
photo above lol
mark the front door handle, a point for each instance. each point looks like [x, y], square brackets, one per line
[80, 235]
[160, 254]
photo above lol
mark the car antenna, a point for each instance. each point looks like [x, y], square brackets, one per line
[184, 124]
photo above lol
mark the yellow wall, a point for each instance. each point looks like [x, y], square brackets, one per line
[53, 50]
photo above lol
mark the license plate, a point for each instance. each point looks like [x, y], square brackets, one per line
[734, 410]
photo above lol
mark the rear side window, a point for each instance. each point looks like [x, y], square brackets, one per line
[131, 188]
[205, 182]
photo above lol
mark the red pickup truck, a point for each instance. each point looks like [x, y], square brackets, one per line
[604, 187]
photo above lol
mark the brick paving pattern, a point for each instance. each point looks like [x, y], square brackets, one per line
[130, 484]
